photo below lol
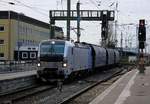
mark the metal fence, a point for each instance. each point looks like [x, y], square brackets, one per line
[7, 66]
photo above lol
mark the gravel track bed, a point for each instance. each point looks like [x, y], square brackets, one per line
[23, 93]
[54, 96]
[93, 93]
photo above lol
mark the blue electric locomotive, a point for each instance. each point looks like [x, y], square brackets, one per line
[59, 59]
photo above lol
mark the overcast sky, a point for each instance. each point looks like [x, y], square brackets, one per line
[129, 11]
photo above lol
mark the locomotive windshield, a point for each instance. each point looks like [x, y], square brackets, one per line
[52, 48]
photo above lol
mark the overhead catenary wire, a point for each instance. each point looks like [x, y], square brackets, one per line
[38, 10]
[32, 8]
[3, 1]
[94, 4]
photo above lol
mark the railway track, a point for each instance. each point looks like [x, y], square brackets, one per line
[78, 94]
[49, 94]
[12, 98]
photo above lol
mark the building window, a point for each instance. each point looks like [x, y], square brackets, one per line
[24, 55]
[1, 54]
[33, 55]
[33, 48]
[29, 48]
[1, 41]
[2, 28]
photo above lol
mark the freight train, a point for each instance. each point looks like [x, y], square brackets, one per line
[61, 59]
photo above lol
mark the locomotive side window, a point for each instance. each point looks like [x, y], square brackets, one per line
[24, 55]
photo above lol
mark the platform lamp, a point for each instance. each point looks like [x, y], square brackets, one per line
[9, 34]
[18, 18]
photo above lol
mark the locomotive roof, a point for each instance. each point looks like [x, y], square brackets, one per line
[58, 40]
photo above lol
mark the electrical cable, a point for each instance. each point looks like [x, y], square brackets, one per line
[32, 8]
[94, 4]
[4, 1]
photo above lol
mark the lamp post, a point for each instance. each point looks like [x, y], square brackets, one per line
[9, 33]
[18, 18]
[18, 43]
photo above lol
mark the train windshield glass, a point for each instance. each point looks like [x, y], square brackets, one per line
[52, 48]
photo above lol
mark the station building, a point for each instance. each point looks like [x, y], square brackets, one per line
[19, 32]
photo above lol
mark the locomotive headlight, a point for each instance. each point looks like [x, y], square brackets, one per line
[53, 42]
[38, 64]
[64, 64]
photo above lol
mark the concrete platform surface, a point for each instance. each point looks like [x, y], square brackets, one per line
[131, 88]
[15, 75]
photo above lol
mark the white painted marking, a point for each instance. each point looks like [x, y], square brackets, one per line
[98, 99]
[126, 92]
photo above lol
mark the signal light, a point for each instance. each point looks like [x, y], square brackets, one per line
[142, 31]
[104, 26]
[142, 23]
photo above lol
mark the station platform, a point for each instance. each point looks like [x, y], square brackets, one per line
[7, 76]
[12, 82]
[131, 88]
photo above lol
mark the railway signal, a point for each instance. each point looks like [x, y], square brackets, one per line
[104, 27]
[142, 31]
[142, 39]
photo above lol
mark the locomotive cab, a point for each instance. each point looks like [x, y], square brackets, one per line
[53, 59]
